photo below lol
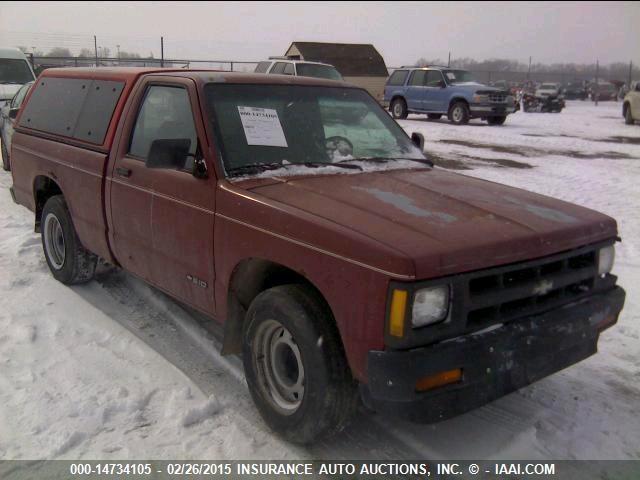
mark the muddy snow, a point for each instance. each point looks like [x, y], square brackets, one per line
[115, 369]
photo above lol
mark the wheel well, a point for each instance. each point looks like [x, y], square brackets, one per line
[457, 99]
[393, 99]
[250, 278]
[43, 189]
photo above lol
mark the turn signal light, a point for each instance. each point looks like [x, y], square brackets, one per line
[439, 380]
[397, 313]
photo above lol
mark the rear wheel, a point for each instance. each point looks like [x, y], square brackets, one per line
[399, 108]
[628, 117]
[295, 365]
[459, 113]
[68, 260]
[5, 158]
[496, 120]
[434, 116]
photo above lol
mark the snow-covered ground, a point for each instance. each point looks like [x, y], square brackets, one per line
[115, 369]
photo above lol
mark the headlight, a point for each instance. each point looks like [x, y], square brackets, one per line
[481, 98]
[606, 257]
[430, 305]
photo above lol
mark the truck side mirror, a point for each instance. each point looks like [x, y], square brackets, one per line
[13, 113]
[443, 84]
[168, 153]
[418, 140]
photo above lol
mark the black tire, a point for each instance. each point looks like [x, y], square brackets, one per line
[6, 164]
[68, 260]
[434, 116]
[496, 120]
[459, 113]
[628, 116]
[329, 394]
[398, 108]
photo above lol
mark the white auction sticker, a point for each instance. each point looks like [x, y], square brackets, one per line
[262, 127]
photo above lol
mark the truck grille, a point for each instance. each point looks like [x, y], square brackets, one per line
[502, 294]
[498, 97]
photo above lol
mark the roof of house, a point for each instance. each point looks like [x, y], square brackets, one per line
[351, 59]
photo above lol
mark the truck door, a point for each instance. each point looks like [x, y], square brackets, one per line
[416, 90]
[162, 218]
[435, 96]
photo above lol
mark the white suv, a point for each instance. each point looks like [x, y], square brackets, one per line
[301, 68]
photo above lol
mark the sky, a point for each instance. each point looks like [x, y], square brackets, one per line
[550, 32]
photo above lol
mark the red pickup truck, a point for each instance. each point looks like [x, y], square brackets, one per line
[300, 217]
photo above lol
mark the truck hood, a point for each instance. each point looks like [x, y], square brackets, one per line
[444, 222]
[474, 86]
[8, 90]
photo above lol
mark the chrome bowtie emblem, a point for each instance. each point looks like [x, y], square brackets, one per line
[543, 287]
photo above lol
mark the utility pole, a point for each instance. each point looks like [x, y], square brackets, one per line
[630, 72]
[449, 62]
[118, 47]
[596, 93]
[529, 71]
[162, 51]
[95, 46]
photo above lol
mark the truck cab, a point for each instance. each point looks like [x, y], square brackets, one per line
[438, 91]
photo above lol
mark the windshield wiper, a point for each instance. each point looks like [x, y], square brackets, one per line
[387, 159]
[263, 167]
[327, 164]
[256, 168]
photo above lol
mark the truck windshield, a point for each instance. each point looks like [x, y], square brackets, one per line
[295, 124]
[14, 71]
[318, 71]
[458, 76]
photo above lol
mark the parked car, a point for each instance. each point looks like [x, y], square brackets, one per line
[605, 91]
[548, 89]
[426, 293]
[15, 71]
[439, 91]
[8, 114]
[575, 91]
[631, 104]
[541, 104]
[285, 66]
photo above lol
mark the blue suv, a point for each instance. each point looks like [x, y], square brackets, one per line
[439, 91]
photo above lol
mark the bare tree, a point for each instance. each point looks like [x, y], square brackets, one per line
[59, 52]
[87, 53]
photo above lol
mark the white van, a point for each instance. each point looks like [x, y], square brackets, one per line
[15, 71]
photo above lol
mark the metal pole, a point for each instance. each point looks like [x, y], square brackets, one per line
[596, 93]
[162, 51]
[449, 62]
[529, 71]
[630, 72]
[95, 46]
[232, 66]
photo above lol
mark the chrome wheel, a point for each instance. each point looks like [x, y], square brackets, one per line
[457, 114]
[54, 241]
[279, 366]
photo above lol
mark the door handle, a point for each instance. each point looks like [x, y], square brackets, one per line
[123, 172]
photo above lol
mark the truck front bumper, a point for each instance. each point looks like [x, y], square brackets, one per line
[493, 363]
[490, 110]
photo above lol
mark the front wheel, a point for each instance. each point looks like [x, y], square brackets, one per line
[295, 365]
[628, 117]
[496, 120]
[399, 109]
[459, 113]
[68, 260]
[6, 165]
